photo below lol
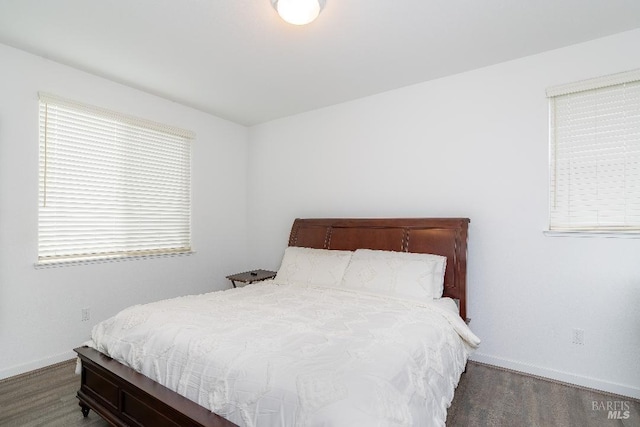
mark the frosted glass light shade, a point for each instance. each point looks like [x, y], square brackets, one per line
[298, 12]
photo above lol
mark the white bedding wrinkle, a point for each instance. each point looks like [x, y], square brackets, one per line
[272, 354]
[405, 275]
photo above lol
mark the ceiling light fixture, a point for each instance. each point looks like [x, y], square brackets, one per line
[298, 12]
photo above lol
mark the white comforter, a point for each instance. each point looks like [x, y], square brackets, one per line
[290, 355]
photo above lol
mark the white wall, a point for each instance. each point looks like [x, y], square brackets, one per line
[471, 145]
[40, 310]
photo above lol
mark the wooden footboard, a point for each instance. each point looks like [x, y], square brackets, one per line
[124, 397]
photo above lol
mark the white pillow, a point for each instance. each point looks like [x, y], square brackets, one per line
[317, 267]
[413, 276]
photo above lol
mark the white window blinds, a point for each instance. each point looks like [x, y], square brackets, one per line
[595, 154]
[110, 185]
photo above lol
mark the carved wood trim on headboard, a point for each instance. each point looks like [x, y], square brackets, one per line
[440, 236]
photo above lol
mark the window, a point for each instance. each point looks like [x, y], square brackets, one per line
[595, 155]
[111, 186]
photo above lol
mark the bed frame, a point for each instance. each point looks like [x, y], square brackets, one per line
[124, 397]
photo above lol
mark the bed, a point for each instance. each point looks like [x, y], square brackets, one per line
[305, 323]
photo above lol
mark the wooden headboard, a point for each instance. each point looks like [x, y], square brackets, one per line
[440, 236]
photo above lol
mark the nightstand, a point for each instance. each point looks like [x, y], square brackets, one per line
[251, 276]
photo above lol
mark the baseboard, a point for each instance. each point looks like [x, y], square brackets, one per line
[565, 377]
[37, 364]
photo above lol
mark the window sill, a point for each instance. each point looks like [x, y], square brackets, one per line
[596, 234]
[86, 261]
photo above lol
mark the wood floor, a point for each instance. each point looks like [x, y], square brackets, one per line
[46, 397]
[486, 396]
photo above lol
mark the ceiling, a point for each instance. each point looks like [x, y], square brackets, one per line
[238, 60]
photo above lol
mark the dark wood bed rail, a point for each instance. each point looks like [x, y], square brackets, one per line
[124, 397]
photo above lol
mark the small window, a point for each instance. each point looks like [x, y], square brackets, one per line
[595, 155]
[111, 185]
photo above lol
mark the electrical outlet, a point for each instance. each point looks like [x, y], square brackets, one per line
[577, 336]
[85, 314]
